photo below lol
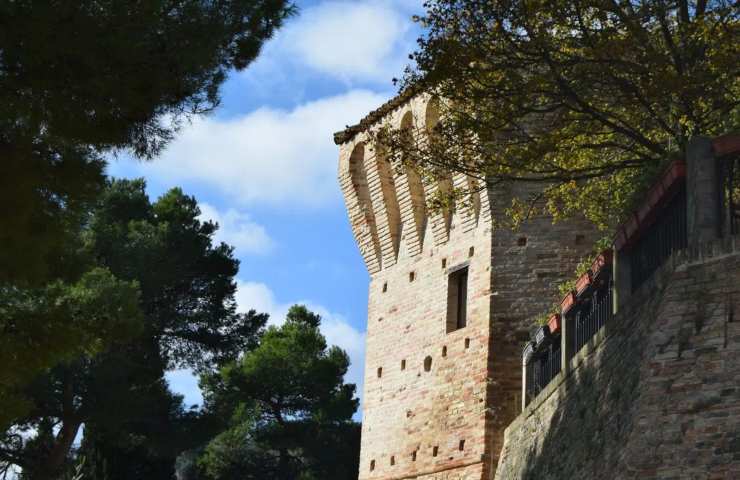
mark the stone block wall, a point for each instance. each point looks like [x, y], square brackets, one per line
[528, 265]
[656, 394]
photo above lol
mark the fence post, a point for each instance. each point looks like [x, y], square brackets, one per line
[703, 195]
[524, 382]
[622, 275]
[566, 345]
[526, 357]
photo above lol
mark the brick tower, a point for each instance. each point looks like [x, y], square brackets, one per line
[451, 301]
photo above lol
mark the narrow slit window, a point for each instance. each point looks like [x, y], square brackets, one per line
[457, 300]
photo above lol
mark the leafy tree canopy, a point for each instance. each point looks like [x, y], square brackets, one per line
[78, 79]
[41, 327]
[289, 411]
[184, 301]
[586, 97]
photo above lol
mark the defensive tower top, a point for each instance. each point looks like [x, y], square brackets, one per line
[387, 200]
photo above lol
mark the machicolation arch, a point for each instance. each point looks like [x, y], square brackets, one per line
[363, 220]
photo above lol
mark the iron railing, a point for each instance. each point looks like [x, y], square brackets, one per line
[592, 312]
[542, 368]
[664, 237]
[593, 307]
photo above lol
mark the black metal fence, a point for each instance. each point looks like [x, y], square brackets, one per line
[593, 306]
[592, 310]
[589, 315]
[542, 368]
[664, 237]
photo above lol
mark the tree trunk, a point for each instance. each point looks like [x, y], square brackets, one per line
[51, 466]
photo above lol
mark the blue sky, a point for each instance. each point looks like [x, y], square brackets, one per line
[264, 164]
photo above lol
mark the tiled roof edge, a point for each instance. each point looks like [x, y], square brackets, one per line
[376, 115]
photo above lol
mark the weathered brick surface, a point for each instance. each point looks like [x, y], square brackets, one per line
[411, 410]
[528, 264]
[470, 393]
[656, 395]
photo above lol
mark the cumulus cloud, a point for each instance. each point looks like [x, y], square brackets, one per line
[258, 296]
[350, 40]
[269, 156]
[357, 41]
[238, 230]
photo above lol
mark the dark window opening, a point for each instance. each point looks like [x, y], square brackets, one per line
[461, 446]
[435, 450]
[457, 300]
[372, 465]
[380, 372]
[521, 241]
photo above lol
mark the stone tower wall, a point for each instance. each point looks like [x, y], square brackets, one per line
[528, 265]
[447, 422]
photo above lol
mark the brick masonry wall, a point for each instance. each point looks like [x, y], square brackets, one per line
[655, 395]
[461, 406]
[408, 411]
[471, 392]
[528, 265]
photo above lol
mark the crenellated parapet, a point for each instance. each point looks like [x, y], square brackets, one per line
[388, 202]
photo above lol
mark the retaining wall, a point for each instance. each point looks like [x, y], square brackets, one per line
[655, 394]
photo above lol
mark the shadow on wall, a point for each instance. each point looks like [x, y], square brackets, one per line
[657, 398]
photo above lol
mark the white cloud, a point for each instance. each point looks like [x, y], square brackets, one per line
[238, 230]
[268, 156]
[350, 40]
[258, 296]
